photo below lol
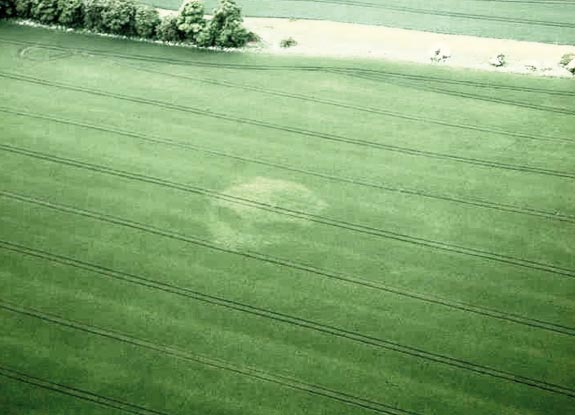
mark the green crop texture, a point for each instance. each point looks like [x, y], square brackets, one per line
[187, 232]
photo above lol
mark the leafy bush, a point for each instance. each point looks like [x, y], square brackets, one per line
[71, 13]
[24, 8]
[168, 30]
[225, 30]
[118, 17]
[498, 60]
[45, 11]
[191, 20]
[440, 53]
[7, 8]
[566, 59]
[127, 18]
[93, 14]
[253, 37]
[147, 21]
[288, 43]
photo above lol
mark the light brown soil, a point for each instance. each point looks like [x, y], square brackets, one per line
[345, 40]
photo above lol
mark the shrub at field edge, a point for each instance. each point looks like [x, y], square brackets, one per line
[191, 20]
[45, 11]
[225, 29]
[71, 13]
[7, 8]
[147, 21]
[127, 18]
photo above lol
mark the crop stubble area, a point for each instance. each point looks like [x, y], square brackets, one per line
[192, 232]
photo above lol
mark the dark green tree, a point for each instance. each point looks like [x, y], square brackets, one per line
[45, 11]
[7, 8]
[119, 17]
[168, 30]
[147, 21]
[225, 30]
[93, 14]
[71, 13]
[191, 20]
[24, 8]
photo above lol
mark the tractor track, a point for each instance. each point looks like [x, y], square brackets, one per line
[276, 261]
[298, 131]
[443, 13]
[217, 364]
[378, 111]
[237, 306]
[338, 224]
[308, 68]
[81, 394]
[328, 330]
[487, 204]
[459, 94]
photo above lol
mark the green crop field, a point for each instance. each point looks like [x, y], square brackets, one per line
[187, 232]
[551, 21]
[165, 4]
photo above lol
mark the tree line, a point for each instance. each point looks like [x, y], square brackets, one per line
[128, 18]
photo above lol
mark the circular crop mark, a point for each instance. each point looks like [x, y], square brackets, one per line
[43, 54]
[240, 225]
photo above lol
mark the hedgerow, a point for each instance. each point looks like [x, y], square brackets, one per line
[71, 13]
[191, 22]
[93, 15]
[119, 17]
[225, 29]
[7, 8]
[146, 22]
[127, 18]
[24, 8]
[168, 30]
[45, 11]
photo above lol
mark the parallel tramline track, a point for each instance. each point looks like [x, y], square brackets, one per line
[70, 391]
[384, 112]
[340, 179]
[369, 341]
[459, 94]
[339, 224]
[217, 364]
[447, 81]
[147, 58]
[298, 131]
[443, 13]
[308, 68]
[237, 306]
[469, 367]
[372, 110]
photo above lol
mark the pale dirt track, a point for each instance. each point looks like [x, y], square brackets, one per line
[345, 40]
